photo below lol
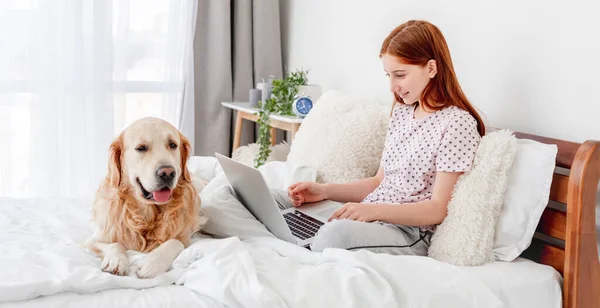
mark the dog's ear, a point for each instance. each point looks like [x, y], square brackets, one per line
[114, 162]
[186, 150]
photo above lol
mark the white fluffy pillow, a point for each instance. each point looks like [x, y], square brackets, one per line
[466, 235]
[247, 153]
[526, 198]
[342, 138]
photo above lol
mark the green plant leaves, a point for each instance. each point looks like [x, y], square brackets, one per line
[282, 96]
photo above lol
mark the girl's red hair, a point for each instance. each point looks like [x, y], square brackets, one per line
[416, 42]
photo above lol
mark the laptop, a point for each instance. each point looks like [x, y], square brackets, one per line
[272, 207]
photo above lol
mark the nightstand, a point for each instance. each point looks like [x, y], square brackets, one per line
[245, 112]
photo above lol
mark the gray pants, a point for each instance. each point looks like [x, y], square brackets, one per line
[353, 235]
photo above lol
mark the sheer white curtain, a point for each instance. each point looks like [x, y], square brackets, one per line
[74, 73]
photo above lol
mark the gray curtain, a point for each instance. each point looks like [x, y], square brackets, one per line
[237, 43]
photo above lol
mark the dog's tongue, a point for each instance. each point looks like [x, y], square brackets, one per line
[162, 195]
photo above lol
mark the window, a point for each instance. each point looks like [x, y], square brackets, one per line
[76, 72]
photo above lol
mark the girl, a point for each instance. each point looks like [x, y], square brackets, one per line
[432, 137]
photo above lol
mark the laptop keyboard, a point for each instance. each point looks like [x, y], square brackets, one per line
[302, 225]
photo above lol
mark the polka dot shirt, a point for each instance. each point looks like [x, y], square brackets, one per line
[416, 149]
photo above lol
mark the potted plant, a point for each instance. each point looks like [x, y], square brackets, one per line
[283, 94]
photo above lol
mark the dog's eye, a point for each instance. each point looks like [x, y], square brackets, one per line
[141, 148]
[173, 145]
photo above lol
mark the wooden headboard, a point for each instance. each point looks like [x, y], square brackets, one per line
[566, 235]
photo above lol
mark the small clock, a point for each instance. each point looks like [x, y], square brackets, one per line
[301, 106]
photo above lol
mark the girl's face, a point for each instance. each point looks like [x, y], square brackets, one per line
[406, 80]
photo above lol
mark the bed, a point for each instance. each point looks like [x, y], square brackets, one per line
[43, 265]
[566, 238]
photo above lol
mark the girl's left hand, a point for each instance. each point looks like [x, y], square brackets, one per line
[356, 211]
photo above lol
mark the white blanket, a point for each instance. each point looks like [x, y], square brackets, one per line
[40, 254]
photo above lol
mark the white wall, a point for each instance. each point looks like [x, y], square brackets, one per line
[528, 65]
[532, 66]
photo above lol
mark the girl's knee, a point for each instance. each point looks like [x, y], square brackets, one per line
[334, 234]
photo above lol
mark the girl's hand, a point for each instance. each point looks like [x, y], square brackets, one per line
[357, 211]
[305, 192]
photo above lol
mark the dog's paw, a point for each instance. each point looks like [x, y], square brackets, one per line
[152, 265]
[115, 264]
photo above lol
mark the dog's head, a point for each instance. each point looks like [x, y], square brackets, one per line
[149, 158]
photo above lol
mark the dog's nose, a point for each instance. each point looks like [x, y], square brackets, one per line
[166, 173]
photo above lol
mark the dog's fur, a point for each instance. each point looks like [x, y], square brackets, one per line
[125, 213]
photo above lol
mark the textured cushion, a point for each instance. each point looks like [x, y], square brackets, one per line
[342, 137]
[466, 235]
[247, 153]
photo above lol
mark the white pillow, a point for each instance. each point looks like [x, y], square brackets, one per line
[342, 138]
[466, 235]
[280, 175]
[205, 168]
[526, 198]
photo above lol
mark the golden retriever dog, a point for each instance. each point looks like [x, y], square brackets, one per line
[147, 202]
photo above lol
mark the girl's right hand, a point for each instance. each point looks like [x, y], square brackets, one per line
[306, 192]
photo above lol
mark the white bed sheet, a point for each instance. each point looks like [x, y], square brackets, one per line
[40, 255]
[519, 286]
[157, 297]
